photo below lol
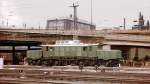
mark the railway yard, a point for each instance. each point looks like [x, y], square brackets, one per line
[24, 74]
[132, 71]
[70, 50]
[75, 56]
[135, 53]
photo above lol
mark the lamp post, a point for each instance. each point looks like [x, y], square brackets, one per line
[56, 25]
[2, 21]
[9, 18]
[91, 14]
[124, 23]
[75, 19]
[7, 22]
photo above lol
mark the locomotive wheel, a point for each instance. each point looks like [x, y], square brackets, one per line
[112, 63]
[115, 63]
[59, 62]
[69, 61]
[108, 63]
[73, 62]
[65, 62]
[62, 62]
[33, 62]
[56, 63]
[49, 62]
[101, 62]
[29, 61]
[38, 62]
[86, 62]
[93, 62]
[53, 62]
[44, 62]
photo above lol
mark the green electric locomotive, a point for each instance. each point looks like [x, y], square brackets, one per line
[72, 52]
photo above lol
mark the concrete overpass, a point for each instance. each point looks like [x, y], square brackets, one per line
[27, 33]
[48, 36]
[131, 45]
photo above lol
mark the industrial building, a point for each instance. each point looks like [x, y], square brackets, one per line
[68, 24]
[141, 23]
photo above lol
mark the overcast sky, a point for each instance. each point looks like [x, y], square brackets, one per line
[106, 13]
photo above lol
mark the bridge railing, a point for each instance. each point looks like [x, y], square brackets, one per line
[54, 31]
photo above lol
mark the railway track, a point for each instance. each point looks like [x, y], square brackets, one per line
[36, 75]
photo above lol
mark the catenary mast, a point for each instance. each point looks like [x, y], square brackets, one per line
[75, 37]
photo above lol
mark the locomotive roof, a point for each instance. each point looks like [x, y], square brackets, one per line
[69, 43]
[108, 50]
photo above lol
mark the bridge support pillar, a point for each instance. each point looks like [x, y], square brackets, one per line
[14, 57]
[29, 47]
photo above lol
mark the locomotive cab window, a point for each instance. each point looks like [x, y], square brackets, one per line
[46, 48]
[90, 48]
[84, 48]
[51, 48]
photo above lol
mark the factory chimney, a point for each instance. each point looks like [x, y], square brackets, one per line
[148, 25]
[141, 22]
